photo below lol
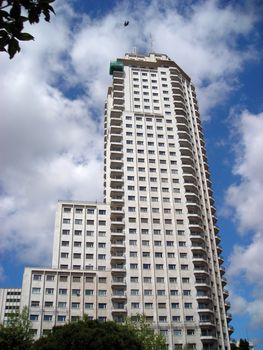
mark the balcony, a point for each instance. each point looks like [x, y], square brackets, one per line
[188, 160]
[118, 281]
[186, 152]
[183, 135]
[225, 293]
[116, 138]
[185, 144]
[183, 127]
[117, 233]
[230, 329]
[117, 221]
[229, 317]
[118, 244]
[117, 199]
[119, 295]
[118, 268]
[202, 283]
[115, 122]
[118, 257]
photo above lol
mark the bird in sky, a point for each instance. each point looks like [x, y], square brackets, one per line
[126, 23]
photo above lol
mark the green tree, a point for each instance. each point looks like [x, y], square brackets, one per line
[16, 334]
[149, 339]
[13, 15]
[243, 344]
[89, 335]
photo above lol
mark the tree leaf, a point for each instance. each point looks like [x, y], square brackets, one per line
[24, 36]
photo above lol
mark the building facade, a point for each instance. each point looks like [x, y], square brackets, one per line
[153, 246]
[9, 302]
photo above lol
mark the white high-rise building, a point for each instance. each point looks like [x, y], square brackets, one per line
[153, 246]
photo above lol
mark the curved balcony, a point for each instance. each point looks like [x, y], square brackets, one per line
[117, 221]
[118, 181]
[119, 310]
[224, 281]
[227, 305]
[117, 199]
[198, 244]
[183, 135]
[117, 211]
[201, 270]
[181, 119]
[178, 98]
[116, 138]
[177, 85]
[183, 127]
[219, 249]
[187, 160]
[203, 295]
[220, 260]
[115, 114]
[116, 129]
[229, 317]
[230, 329]
[186, 152]
[185, 144]
[119, 244]
[207, 323]
[202, 283]
[195, 226]
[206, 308]
[115, 122]
[188, 169]
[222, 270]
[225, 293]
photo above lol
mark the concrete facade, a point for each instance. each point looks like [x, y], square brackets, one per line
[153, 246]
[9, 302]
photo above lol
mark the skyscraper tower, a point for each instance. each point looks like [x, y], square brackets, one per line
[152, 247]
[158, 185]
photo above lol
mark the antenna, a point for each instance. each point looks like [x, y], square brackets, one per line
[134, 50]
[151, 43]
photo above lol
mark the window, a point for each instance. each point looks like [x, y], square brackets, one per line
[49, 290]
[190, 331]
[35, 303]
[135, 305]
[67, 210]
[175, 305]
[37, 277]
[65, 232]
[160, 279]
[36, 290]
[90, 211]
[186, 292]
[146, 266]
[171, 266]
[147, 292]
[66, 221]
[134, 291]
[88, 291]
[33, 317]
[76, 292]
[75, 305]
[148, 305]
[62, 304]
[162, 318]
[48, 304]
[89, 306]
[161, 305]
[134, 279]
[174, 292]
[147, 279]
[159, 266]
[102, 212]
[61, 318]
[177, 332]
[160, 292]
[188, 305]
[102, 256]
[176, 318]
[78, 221]
[102, 305]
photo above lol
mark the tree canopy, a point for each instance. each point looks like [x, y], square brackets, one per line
[149, 339]
[13, 15]
[16, 334]
[90, 335]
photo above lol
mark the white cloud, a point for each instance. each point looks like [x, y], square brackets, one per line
[245, 200]
[52, 142]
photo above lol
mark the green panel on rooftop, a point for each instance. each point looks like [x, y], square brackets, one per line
[116, 66]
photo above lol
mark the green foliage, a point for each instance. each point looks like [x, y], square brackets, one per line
[89, 335]
[13, 15]
[243, 344]
[16, 334]
[148, 338]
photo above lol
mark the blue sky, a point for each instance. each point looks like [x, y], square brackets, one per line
[52, 99]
